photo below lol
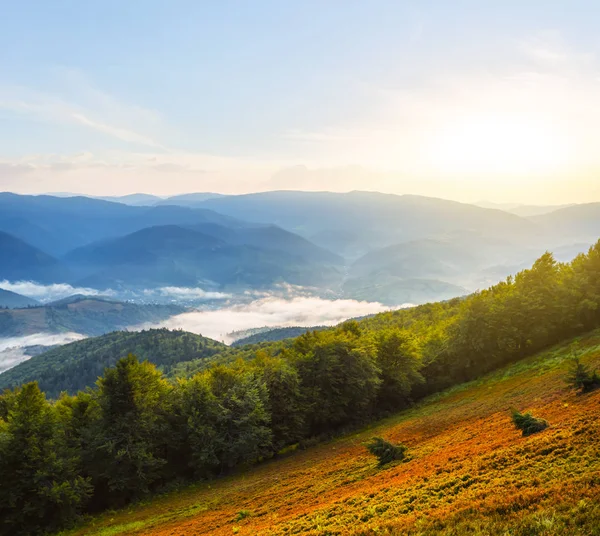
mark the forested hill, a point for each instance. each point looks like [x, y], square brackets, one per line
[137, 432]
[275, 334]
[78, 365]
[82, 314]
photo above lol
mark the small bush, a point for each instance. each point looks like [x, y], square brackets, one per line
[385, 451]
[242, 514]
[527, 423]
[582, 378]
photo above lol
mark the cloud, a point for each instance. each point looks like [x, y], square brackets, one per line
[271, 312]
[46, 293]
[85, 106]
[187, 293]
[13, 350]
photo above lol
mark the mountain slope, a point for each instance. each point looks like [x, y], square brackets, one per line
[85, 315]
[269, 237]
[75, 366]
[188, 200]
[367, 220]
[20, 261]
[581, 222]
[469, 471]
[57, 225]
[13, 300]
[173, 255]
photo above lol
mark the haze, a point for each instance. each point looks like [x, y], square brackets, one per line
[111, 98]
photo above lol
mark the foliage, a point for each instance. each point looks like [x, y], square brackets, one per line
[527, 423]
[130, 438]
[385, 451]
[275, 334]
[580, 377]
[468, 474]
[42, 488]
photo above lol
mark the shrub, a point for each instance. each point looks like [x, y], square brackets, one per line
[242, 514]
[582, 378]
[527, 423]
[385, 451]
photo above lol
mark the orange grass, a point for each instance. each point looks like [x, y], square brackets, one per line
[469, 472]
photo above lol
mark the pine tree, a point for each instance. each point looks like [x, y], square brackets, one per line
[527, 423]
[41, 490]
[130, 442]
[582, 378]
[385, 451]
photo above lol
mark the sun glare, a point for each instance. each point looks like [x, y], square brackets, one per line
[499, 145]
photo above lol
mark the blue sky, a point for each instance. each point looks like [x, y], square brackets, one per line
[455, 99]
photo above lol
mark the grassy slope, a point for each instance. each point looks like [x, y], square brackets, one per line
[471, 472]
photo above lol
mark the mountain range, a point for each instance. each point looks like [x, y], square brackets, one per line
[363, 245]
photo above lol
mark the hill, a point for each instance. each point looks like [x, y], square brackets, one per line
[57, 225]
[85, 315]
[470, 471]
[12, 300]
[391, 290]
[75, 366]
[354, 223]
[577, 222]
[276, 334]
[20, 261]
[188, 200]
[178, 256]
[270, 237]
[132, 199]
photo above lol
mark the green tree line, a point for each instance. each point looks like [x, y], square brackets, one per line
[138, 431]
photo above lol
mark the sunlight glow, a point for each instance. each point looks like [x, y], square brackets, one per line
[499, 145]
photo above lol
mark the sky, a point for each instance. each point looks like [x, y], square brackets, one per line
[466, 100]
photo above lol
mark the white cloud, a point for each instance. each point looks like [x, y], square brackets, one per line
[12, 349]
[271, 312]
[187, 293]
[46, 293]
[79, 103]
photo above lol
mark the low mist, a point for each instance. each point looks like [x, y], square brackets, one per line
[270, 312]
[48, 293]
[14, 350]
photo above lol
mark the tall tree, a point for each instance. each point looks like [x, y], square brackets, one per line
[41, 490]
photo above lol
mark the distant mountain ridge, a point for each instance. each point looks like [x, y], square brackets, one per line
[21, 261]
[12, 300]
[84, 315]
[57, 225]
[363, 245]
[367, 219]
[173, 255]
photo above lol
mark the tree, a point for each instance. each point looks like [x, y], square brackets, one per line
[41, 490]
[243, 424]
[397, 356]
[130, 439]
[284, 403]
[385, 451]
[223, 420]
[527, 423]
[582, 378]
[338, 376]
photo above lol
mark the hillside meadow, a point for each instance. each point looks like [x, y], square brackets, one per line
[469, 471]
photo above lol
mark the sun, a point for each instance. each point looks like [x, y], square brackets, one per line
[498, 145]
